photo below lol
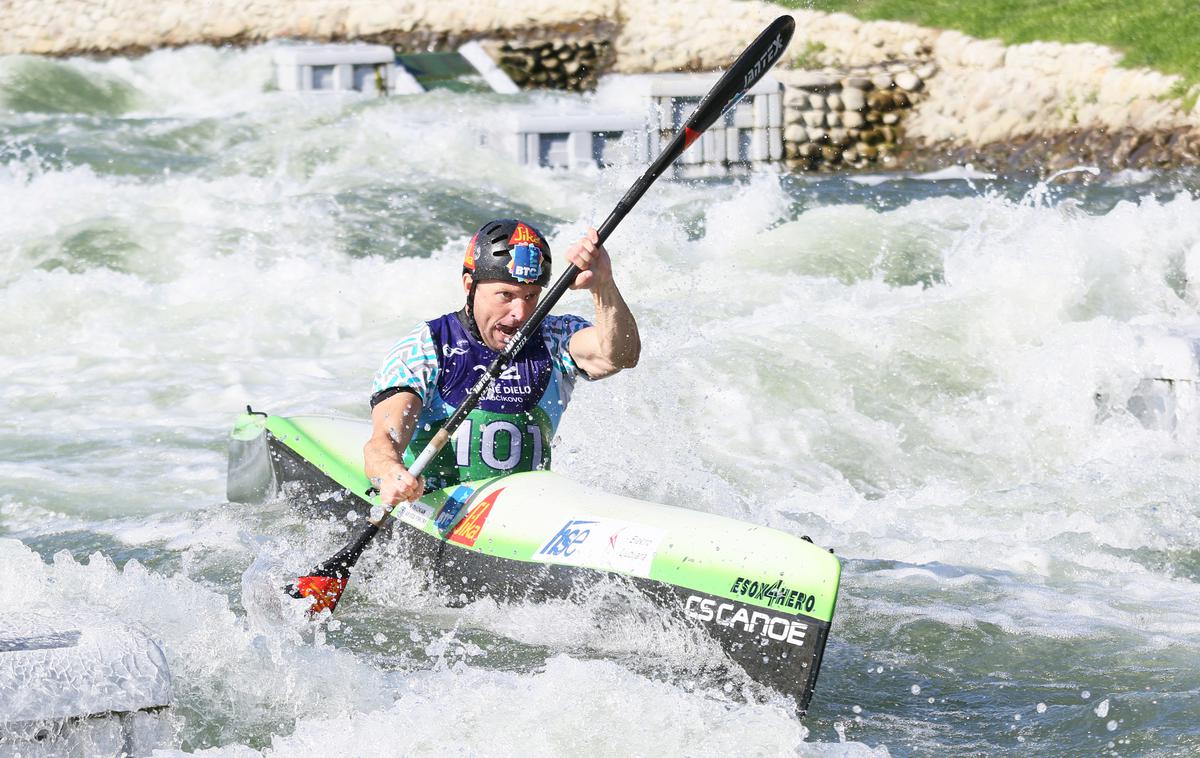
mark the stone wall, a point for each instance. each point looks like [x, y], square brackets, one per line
[1060, 103]
[68, 27]
[851, 118]
[565, 64]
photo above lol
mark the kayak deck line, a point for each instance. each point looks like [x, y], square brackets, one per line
[766, 596]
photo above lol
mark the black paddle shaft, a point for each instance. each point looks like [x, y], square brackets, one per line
[764, 52]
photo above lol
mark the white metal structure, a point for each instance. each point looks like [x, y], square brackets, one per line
[749, 136]
[1168, 395]
[575, 141]
[487, 68]
[340, 68]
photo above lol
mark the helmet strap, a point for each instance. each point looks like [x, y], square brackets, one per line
[470, 312]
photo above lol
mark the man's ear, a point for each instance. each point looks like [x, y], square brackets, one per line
[467, 279]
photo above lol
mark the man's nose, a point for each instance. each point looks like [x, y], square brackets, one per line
[520, 310]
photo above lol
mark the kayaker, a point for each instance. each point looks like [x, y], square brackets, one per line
[429, 371]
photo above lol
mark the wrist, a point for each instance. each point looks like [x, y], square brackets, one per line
[604, 290]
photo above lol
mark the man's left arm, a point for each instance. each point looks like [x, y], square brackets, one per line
[612, 342]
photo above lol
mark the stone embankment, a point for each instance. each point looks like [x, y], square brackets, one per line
[851, 119]
[566, 64]
[856, 92]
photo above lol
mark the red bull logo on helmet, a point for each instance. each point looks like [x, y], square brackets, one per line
[469, 259]
[525, 263]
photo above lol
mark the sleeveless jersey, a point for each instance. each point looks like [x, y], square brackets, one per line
[514, 423]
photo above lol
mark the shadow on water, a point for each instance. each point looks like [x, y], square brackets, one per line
[416, 222]
[43, 85]
[889, 191]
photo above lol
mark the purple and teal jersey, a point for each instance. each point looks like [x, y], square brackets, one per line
[515, 421]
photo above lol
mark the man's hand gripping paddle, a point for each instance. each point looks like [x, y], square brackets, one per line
[326, 582]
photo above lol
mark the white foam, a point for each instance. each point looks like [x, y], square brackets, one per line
[965, 172]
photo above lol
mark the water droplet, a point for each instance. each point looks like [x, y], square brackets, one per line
[334, 625]
[1111, 725]
[380, 638]
[1017, 717]
[857, 709]
[1041, 707]
[1085, 694]
[916, 689]
[1101, 708]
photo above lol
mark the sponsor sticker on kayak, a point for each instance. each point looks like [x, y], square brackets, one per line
[738, 616]
[468, 530]
[774, 594]
[417, 514]
[449, 510]
[605, 544]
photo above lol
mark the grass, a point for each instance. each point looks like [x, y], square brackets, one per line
[1159, 34]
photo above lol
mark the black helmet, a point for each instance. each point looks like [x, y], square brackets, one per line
[508, 250]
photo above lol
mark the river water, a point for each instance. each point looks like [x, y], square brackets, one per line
[930, 374]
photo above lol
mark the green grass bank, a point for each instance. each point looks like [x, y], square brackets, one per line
[1159, 34]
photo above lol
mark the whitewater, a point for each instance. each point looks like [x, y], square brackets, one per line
[930, 374]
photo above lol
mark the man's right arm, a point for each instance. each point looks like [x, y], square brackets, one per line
[393, 421]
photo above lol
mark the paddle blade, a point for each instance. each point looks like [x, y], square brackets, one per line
[326, 582]
[754, 62]
[326, 591]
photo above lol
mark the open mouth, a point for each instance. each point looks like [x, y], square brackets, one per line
[506, 332]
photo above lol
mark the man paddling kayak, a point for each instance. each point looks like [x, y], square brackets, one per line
[428, 373]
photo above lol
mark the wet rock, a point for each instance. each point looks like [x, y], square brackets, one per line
[853, 98]
[831, 153]
[814, 80]
[909, 81]
[880, 100]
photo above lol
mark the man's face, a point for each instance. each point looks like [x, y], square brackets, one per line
[501, 309]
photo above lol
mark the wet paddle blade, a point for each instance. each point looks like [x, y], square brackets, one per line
[327, 582]
[326, 591]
